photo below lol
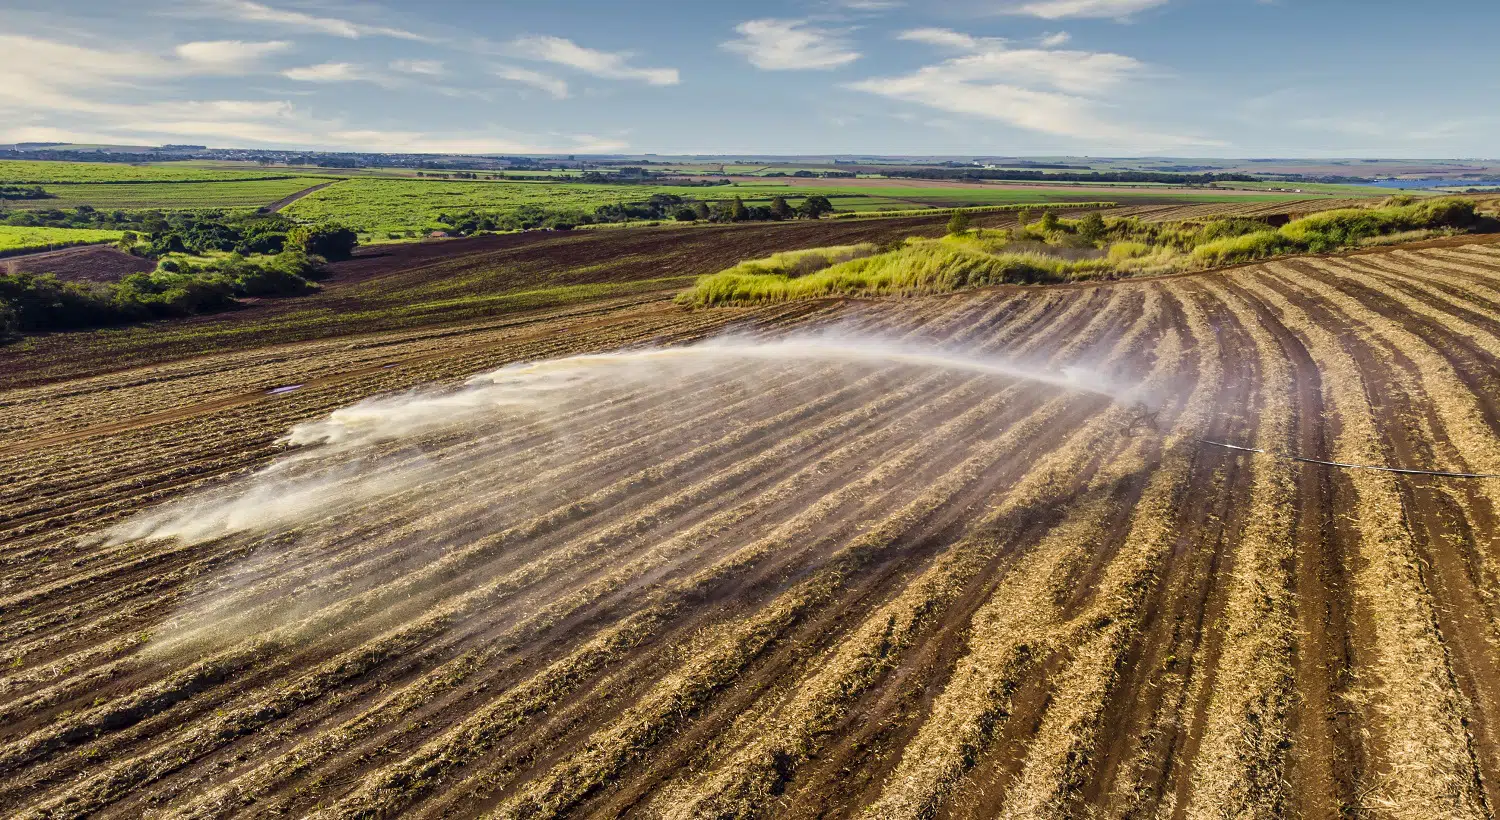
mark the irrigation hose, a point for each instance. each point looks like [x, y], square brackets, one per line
[1398, 470]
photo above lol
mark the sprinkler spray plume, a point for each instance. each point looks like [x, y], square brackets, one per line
[372, 450]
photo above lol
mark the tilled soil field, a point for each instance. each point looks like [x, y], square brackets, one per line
[874, 571]
[456, 282]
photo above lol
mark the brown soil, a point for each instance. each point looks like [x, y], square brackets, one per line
[768, 588]
[90, 263]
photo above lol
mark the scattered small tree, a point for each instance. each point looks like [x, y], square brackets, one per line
[737, 210]
[1092, 227]
[1049, 222]
[958, 224]
[1023, 218]
[814, 207]
[780, 210]
[700, 210]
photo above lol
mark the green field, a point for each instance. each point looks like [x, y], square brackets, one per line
[389, 205]
[41, 172]
[378, 207]
[1308, 188]
[252, 193]
[16, 240]
[384, 203]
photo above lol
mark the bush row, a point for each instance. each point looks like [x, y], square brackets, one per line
[40, 302]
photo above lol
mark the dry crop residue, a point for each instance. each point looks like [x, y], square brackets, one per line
[723, 585]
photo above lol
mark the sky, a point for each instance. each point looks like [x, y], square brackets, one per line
[1186, 78]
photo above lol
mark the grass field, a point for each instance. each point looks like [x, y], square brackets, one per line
[169, 195]
[1312, 188]
[15, 239]
[382, 202]
[956, 556]
[380, 206]
[26, 171]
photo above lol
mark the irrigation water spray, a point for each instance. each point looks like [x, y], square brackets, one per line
[355, 455]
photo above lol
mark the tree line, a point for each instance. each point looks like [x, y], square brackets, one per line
[658, 208]
[1046, 176]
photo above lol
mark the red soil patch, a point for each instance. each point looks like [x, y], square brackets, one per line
[90, 263]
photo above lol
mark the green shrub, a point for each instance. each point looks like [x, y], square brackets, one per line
[30, 302]
[169, 293]
[1332, 230]
[803, 262]
[921, 267]
[1092, 227]
[328, 240]
[1121, 251]
[34, 302]
[1244, 248]
[988, 257]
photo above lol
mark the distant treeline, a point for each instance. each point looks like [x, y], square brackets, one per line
[90, 156]
[1329, 179]
[659, 208]
[1044, 176]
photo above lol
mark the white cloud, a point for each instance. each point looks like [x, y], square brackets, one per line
[26, 58]
[1058, 9]
[310, 134]
[424, 143]
[58, 92]
[45, 76]
[1051, 91]
[410, 74]
[790, 45]
[426, 68]
[1057, 39]
[231, 55]
[987, 58]
[250, 11]
[326, 73]
[870, 5]
[944, 38]
[606, 64]
[555, 86]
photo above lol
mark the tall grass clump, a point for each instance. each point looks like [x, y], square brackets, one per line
[1059, 250]
[919, 267]
[803, 262]
[1343, 228]
[1243, 248]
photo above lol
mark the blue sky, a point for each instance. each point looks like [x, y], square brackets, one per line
[1196, 78]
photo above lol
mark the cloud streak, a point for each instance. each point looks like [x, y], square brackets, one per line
[58, 92]
[253, 12]
[790, 45]
[425, 68]
[1051, 91]
[326, 73]
[233, 55]
[555, 86]
[605, 64]
[1059, 9]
